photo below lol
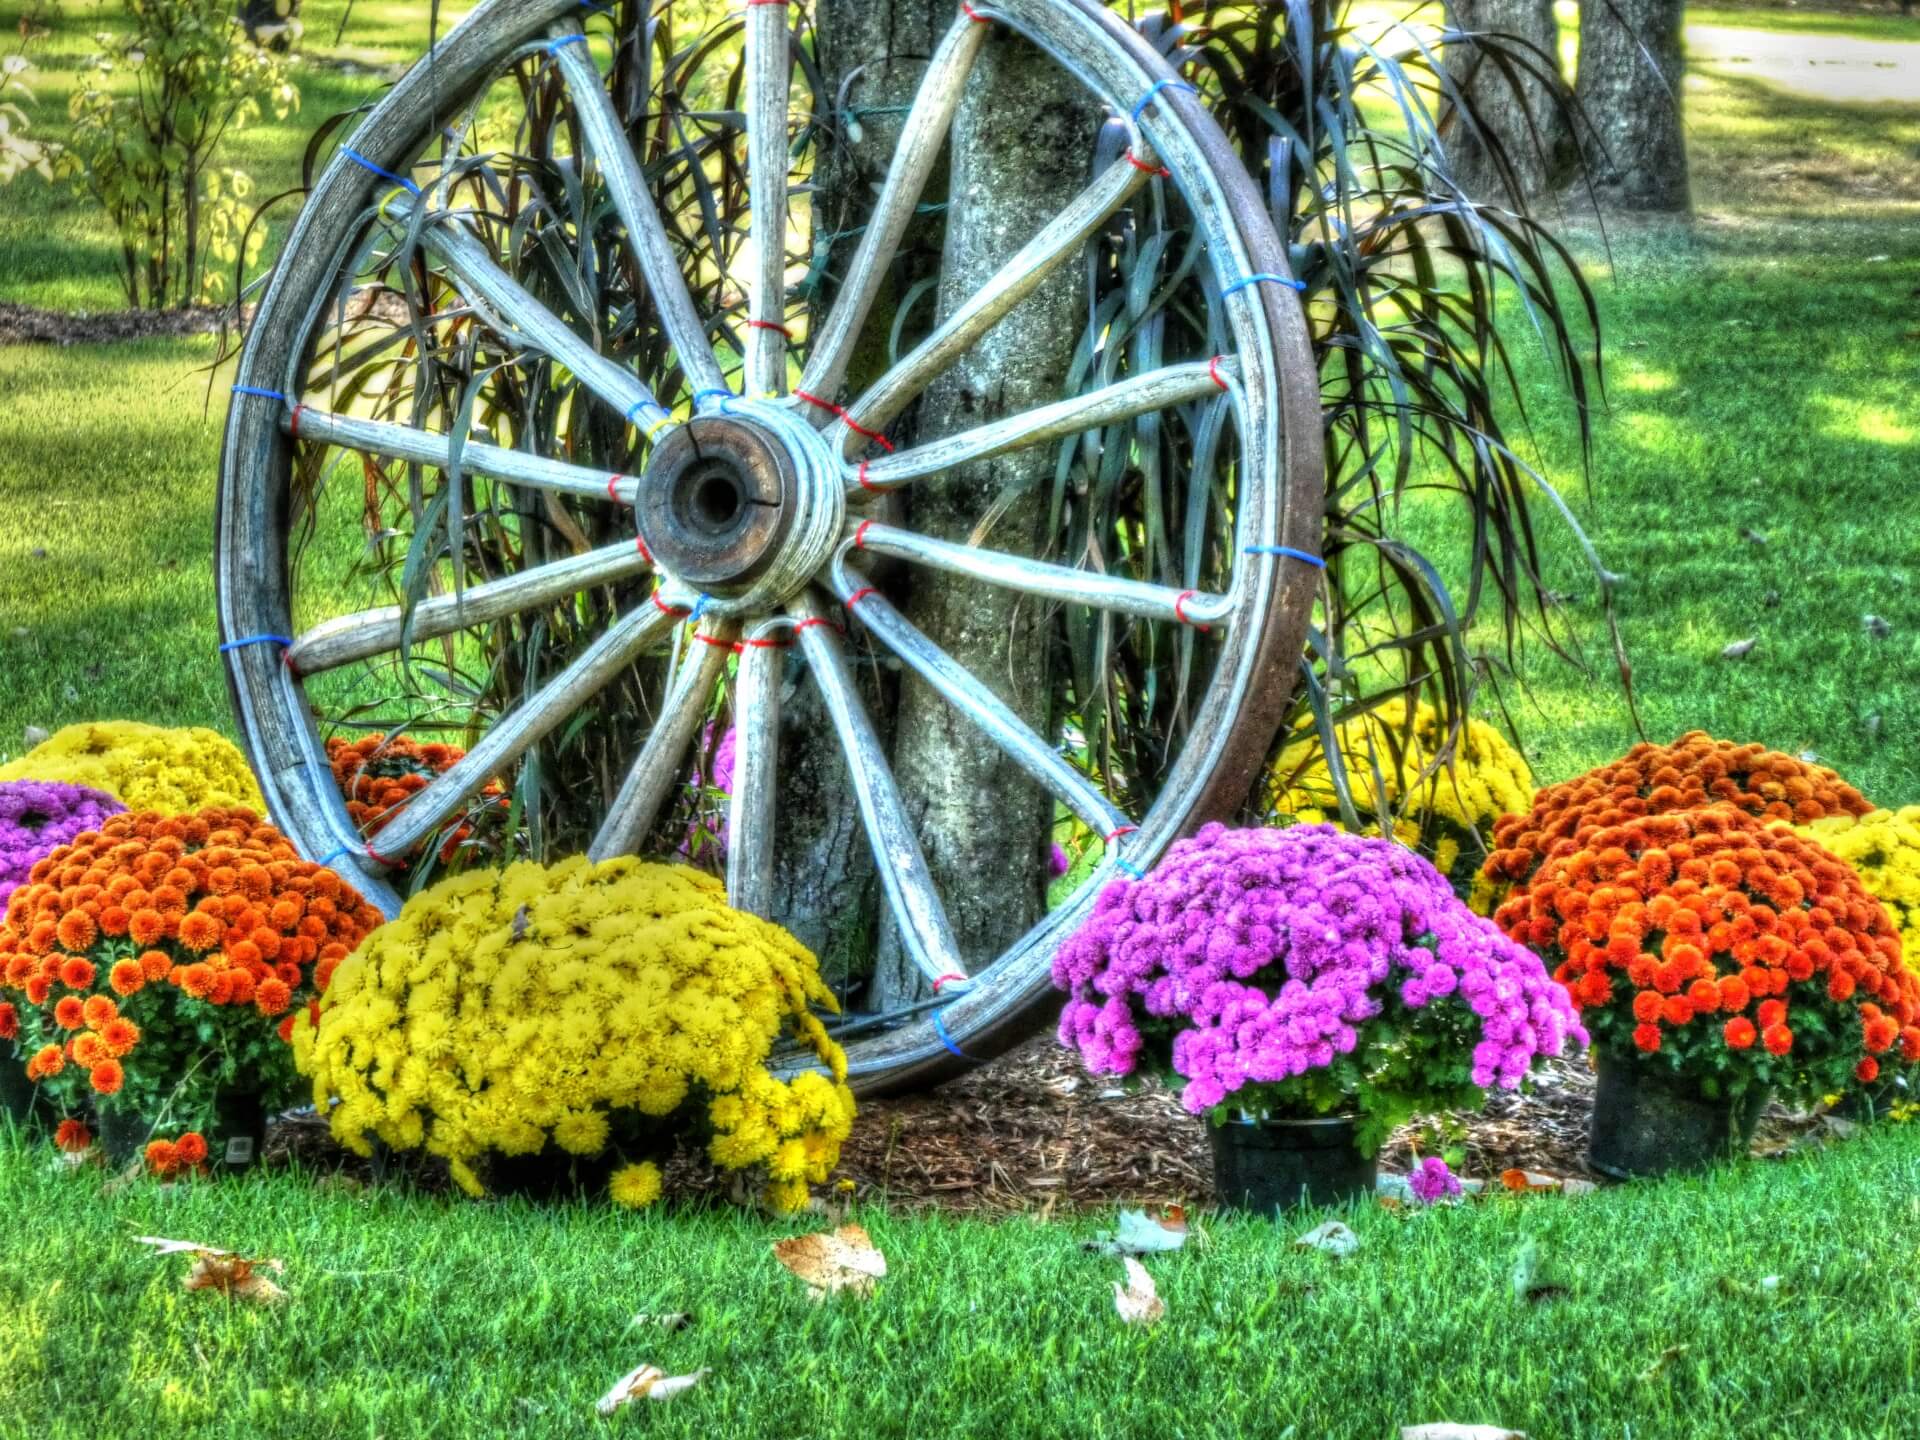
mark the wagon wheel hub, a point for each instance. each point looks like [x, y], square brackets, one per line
[744, 506]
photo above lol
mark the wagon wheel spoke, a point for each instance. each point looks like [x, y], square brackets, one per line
[607, 142]
[756, 757]
[463, 252]
[1124, 400]
[1060, 239]
[1198, 608]
[366, 633]
[424, 447]
[979, 704]
[921, 139]
[769, 76]
[904, 876]
[512, 735]
[661, 764]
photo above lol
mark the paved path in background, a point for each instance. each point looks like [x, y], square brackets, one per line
[1824, 67]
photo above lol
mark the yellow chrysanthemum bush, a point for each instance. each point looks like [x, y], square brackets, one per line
[581, 1010]
[145, 767]
[1445, 812]
[1883, 847]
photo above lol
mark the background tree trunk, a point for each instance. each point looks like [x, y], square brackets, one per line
[1629, 85]
[874, 53]
[1022, 146]
[1519, 117]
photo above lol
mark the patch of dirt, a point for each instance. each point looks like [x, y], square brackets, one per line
[30, 325]
[1032, 1133]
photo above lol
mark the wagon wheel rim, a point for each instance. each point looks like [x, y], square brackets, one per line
[735, 596]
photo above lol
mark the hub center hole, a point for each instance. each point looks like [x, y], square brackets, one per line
[717, 501]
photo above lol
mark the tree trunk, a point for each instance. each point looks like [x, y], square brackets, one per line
[872, 52]
[1518, 112]
[1629, 86]
[1022, 145]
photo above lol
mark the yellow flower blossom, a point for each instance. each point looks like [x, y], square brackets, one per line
[1883, 847]
[567, 1033]
[146, 767]
[1446, 814]
[636, 1186]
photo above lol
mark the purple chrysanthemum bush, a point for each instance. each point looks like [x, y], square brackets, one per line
[1304, 972]
[36, 816]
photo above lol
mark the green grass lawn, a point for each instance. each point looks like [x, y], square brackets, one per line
[420, 1316]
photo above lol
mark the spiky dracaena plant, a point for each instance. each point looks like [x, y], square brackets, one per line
[1413, 295]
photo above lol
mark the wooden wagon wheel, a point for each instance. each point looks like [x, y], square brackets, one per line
[752, 490]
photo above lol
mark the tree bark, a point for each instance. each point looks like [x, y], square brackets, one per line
[1022, 146]
[1520, 113]
[873, 53]
[1629, 86]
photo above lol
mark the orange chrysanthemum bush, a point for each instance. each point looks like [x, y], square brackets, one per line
[1723, 949]
[157, 963]
[1693, 772]
[377, 774]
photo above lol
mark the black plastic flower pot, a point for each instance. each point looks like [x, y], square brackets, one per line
[1263, 1166]
[1864, 1104]
[550, 1174]
[20, 1099]
[235, 1136]
[1647, 1123]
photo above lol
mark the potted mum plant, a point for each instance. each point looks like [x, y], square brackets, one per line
[1717, 960]
[36, 816]
[1308, 991]
[155, 965]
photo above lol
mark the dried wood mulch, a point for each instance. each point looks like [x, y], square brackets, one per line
[1032, 1133]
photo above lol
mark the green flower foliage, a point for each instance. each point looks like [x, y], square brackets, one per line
[152, 110]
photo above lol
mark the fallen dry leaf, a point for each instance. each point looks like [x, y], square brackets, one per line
[1526, 1181]
[1666, 1358]
[231, 1275]
[1447, 1430]
[1740, 649]
[668, 1321]
[1137, 1233]
[1137, 1301]
[647, 1382]
[1332, 1237]
[843, 1259]
[1535, 1278]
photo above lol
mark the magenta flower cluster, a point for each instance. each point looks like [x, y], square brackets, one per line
[1266, 953]
[38, 815]
[1432, 1182]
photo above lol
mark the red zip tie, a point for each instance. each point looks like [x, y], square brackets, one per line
[641, 546]
[857, 596]
[943, 979]
[860, 535]
[978, 19]
[293, 423]
[664, 608]
[752, 3]
[813, 620]
[862, 478]
[1134, 160]
[1121, 830]
[1213, 369]
[716, 641]
[769, 324]
[767, 642]
[613, 494]
[841, 410]
[1180, 615]
[376, 855]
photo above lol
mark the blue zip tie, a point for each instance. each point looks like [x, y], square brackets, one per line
[665, 413]
[940, 1029]
[402, 181]
[334, 855]
[698, 606]
[1171, 81]
[725, 395]
[262, 392]
[281, 640]
[597, 8]
[1132, 869]
[1315, 560]
[1265, 279]
[577, 38]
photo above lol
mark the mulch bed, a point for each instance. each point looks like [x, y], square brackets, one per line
[30, 325]
[1032, 1133]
